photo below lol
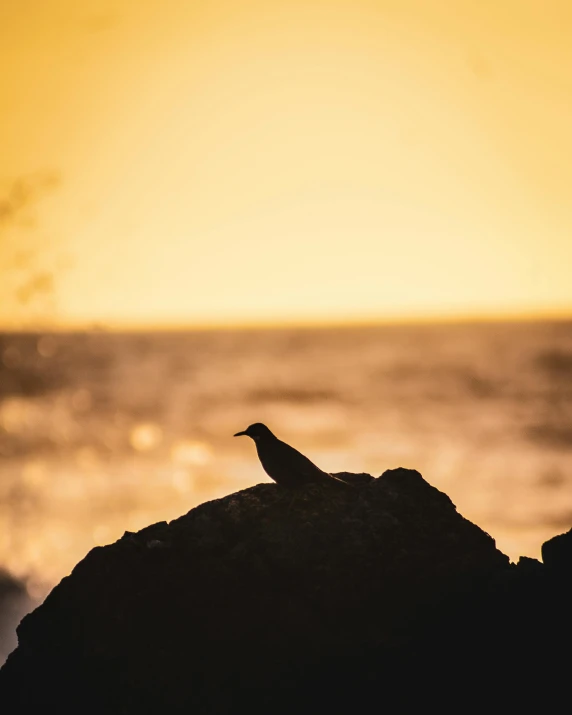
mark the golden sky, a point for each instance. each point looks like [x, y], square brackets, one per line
[288, 160]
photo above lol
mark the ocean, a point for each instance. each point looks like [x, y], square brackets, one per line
[105, 432]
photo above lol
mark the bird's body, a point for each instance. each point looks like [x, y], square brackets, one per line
[284, 464]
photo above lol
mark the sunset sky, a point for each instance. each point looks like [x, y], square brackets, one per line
[286, 160]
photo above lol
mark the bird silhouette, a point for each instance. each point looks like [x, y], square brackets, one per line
[288, 467]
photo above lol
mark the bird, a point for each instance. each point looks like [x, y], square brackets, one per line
[284, 464]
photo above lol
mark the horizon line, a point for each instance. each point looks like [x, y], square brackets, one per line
[558, 315]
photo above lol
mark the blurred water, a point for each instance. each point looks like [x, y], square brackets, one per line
[102, 433]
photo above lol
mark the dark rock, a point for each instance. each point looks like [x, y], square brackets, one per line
[528, 565]
[557, 553]
[378, 598]
[14, 603]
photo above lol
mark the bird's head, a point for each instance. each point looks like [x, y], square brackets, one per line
[256, 431]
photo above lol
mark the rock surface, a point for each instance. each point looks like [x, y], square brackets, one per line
[14, 604]
[377, 598]
[557, 554]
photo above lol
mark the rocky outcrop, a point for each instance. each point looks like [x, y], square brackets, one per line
[377, 598]
[557, 554]
[14, 604]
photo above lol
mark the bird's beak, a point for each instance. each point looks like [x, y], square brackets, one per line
[239, 434]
